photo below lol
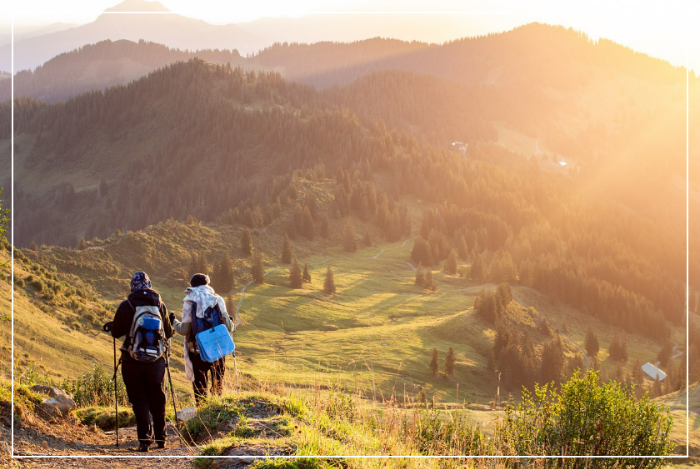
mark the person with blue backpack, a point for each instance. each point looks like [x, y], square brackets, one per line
[143, 319]
[206, 326]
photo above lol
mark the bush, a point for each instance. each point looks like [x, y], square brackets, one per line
[19, 282]
[37, 284]
[586, 418]
[103, 417]
[96, 388]
[29, 278]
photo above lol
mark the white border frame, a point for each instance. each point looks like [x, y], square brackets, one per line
[12, 264]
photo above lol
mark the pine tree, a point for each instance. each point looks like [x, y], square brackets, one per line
[257, 269]
[434, 363]
[230, 307]
[202, 264]
[295, 279]
[477, 271]
[618, 348]
[329, 282]
[246, 242]
[420, 277]
[591, 343]
[349, 243]
[367, 240]
[450, 363]
[306, 275]
[82, 245]
[193, 267]
[552, 361]
[451, 263]
[429, 282]
[286, 250]
[664, 354]
[307, 224]
[223, 280]
[462, 248]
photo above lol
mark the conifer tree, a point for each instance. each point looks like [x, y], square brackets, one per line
[257, 269]
[82, 245]
[306, 275]
[223, 280]
[552, 361]
[664, 354]
[246, 242]
[451, 263]
[307, 224]
[450, 363]
[591, 343]
[295, 278]
[202, 264]
[286, 250]
[434, 363]
[463, 250]
[329, 282]
[429, 282]
[477, 271]
[367, 240]
[230, 307]
[193, 267]
[349, 244]
[618, 348]
[420, 277]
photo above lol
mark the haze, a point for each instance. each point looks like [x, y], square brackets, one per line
[660, 29]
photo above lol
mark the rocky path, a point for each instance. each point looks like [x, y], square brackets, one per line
[65, 444]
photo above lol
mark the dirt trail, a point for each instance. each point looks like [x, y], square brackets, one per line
[41, 444]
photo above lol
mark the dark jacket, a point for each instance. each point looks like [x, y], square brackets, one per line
[125, 315]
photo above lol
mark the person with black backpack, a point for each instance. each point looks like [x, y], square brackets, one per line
[203, 309]
[143, 319]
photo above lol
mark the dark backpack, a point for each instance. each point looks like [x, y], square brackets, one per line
[212, 318]
[146, 335]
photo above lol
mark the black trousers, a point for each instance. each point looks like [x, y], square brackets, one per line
[145, 386]
[201, 370]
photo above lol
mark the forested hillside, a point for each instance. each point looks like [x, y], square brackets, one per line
[220, 143]
[98, 66]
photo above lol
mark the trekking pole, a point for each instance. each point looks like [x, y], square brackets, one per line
[116, 398]
[235, 371]
[170, 380]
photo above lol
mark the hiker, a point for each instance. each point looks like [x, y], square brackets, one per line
[200, 297]
[143, 362]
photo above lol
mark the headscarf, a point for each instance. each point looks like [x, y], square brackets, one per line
[140, 281]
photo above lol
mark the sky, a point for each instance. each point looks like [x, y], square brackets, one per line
[661, 29]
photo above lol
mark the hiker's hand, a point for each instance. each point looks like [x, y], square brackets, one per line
[172, 318]
[108, 326]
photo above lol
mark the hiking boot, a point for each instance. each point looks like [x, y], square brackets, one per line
[143, 448]
[160, 444]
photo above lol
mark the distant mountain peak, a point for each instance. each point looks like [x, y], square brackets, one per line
[138, 5]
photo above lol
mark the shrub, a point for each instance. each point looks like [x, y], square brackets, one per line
[586, 418]
[103, 417]
[19, 282]
[96, 388]
[37, 284]
[29, 278]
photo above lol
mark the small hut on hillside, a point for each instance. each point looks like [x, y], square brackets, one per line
[653, 372]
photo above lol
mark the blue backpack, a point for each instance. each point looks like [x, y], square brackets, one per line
[211, 338]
